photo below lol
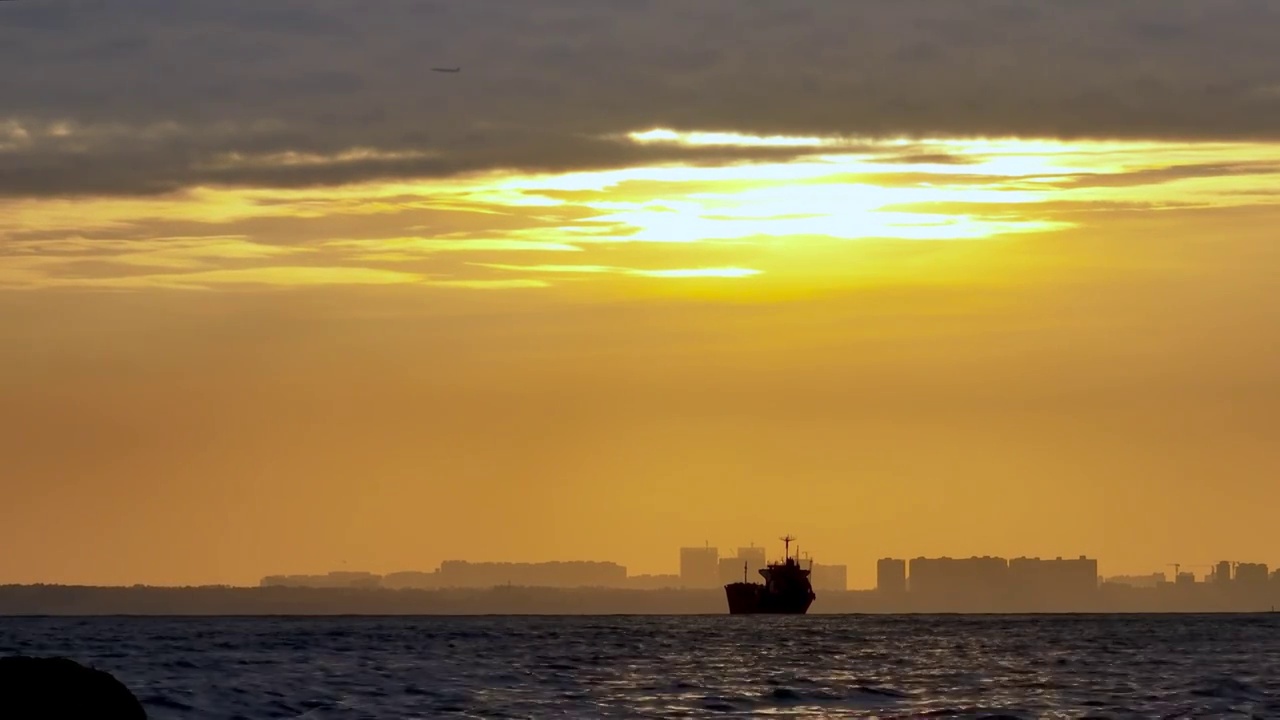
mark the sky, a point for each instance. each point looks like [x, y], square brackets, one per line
[902, 278]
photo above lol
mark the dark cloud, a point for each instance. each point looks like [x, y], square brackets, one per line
[928, 159]
[176, 166]
[542, 81]
[1058, 180]
[1171, 173]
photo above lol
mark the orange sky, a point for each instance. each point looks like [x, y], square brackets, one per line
[298, 354]
[1094, 375]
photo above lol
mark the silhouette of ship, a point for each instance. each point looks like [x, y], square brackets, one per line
[786, 589]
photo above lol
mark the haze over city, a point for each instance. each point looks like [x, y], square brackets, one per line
[903, 278]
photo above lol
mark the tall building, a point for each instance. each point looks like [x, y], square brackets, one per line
[734, 570]
[754, 558]
[1222, 572]
[1251, 574]
[830, 577]
[699, 567]
[891, 575]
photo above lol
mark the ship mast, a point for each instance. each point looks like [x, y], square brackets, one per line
[787, 540]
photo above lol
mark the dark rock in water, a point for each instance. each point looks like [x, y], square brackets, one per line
[45, 688]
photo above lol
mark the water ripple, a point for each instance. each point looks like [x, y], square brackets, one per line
[690, 667]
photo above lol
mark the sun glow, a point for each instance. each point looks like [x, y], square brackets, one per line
[808, 215]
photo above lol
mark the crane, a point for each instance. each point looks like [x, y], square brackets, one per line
[1177, 567]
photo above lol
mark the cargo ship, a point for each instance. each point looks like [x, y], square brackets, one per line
[786, 589]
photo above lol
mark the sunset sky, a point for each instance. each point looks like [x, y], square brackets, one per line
[899, 277]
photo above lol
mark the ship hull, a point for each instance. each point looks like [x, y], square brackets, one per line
[754, 599]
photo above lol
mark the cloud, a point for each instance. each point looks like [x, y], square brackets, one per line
[785, 220]
[515, 284]
[286, 276]
[170, 252]
[413, 248]
[152, 96]
[203, 263]
[706, 272]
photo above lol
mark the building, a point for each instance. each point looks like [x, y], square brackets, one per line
[337, 579]
[755, 559]
[411, 580]
[463, 574]
[1139, 581]
[1222, 572]
[958, 584]
[734, 570]
[1053, 585]
[699, 567]
[1251, 574]
[653, 582]
[834, 578]
[891, 576]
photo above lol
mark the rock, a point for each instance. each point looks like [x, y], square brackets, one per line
[34, 688]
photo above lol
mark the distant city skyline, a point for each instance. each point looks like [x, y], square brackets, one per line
[941, 584]
[726, 561]
[702, 567]
[859, 575]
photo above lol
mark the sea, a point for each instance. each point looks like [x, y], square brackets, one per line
[814, 666]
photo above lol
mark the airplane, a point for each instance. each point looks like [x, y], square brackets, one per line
[448, 70]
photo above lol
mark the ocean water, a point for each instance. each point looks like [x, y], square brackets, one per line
[666, 667]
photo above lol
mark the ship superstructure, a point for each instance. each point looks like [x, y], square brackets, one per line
[786, 589]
